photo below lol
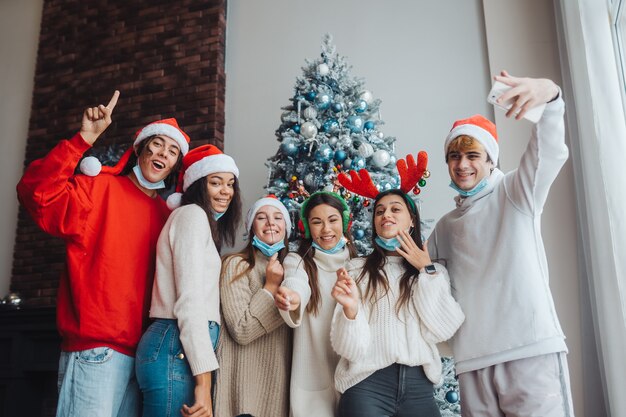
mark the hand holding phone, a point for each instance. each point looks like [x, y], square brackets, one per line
[499, 88]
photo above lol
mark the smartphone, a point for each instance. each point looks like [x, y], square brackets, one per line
[499, 88]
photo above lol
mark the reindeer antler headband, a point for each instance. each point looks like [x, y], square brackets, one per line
[410, 174]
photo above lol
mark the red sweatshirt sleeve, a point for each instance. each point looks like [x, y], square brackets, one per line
[58, 201]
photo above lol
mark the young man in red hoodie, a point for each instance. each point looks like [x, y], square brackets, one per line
[110, 220]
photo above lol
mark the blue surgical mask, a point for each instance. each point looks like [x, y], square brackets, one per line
[337, 248]
[266, 249]
[482, 184]
[217, 215]
[388, 244]
[144, 182]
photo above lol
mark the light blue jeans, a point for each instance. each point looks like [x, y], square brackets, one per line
[163, 371]
[98, 382]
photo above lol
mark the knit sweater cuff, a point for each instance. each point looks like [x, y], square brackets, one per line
[350, 338]
[263, 309]
[438, 310]
[204, 364]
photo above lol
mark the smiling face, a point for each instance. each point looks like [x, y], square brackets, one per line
[391, 215]
[326, 226]
[221, 189]
[468, 162]
[269, 225]
[158, 158]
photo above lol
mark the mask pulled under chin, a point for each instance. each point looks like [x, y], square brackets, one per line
[266, 249]
[337, 248]
[144, 182]
[482, 184]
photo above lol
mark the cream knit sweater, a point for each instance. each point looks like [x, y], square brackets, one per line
[379, 337]
[312, 389]
[186, 283]
[255, 346]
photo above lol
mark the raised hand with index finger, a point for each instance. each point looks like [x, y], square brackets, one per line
[346, 293]
[97, 119]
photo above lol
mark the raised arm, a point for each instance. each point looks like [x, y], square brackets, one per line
[529, 185]
[48, 189]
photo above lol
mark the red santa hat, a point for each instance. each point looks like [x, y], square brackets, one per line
[269, 200]
[198, 163]
[481, 129]
[167, 127]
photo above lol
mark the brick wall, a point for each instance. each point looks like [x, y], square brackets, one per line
[167, 60]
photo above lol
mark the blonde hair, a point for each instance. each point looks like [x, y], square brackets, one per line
[465, 143]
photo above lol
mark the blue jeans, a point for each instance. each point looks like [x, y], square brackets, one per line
[397, 390]
[163, 372]
[97, 382]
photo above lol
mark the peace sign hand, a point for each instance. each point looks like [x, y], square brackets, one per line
[97, 119]
[411, 252]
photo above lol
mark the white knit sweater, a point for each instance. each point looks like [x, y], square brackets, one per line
[379, 337]
[186, 283]
[312, 389]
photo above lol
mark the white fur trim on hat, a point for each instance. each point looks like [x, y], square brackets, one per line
[209, 165]
[163, 129]
[90, 166]
[480, 134]
[268, 201]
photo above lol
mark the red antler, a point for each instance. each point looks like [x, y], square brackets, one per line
[410, 172]
[359, 183]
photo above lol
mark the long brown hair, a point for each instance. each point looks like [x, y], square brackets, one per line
[224, 230]
[307, 251]
[375, 261]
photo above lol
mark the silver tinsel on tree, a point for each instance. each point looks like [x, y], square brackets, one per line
[333, 125]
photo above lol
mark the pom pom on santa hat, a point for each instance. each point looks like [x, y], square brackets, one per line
[91, 166]
[198, 163]
[481, 129]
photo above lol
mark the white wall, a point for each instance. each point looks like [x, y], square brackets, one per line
[19, 37]
[426, 73]
[429, 63]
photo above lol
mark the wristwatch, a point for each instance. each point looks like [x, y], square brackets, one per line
[430, 269]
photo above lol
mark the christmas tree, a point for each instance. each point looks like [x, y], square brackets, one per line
[333, 125]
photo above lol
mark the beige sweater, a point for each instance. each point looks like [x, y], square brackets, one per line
[186, 283]
[255, 346]
[379, 337]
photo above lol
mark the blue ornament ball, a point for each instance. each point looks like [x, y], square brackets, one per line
[289, 147]
[323, 100]
[354, 123]
[358, 234]
[358, 163]
[369, 125]
[310, 95]
[340, 155]
[336, 107]
[279, 183]
[330, 125]
[296, 128]
[287, 202]
[360, 106]
[452, 396]
[324, 153]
